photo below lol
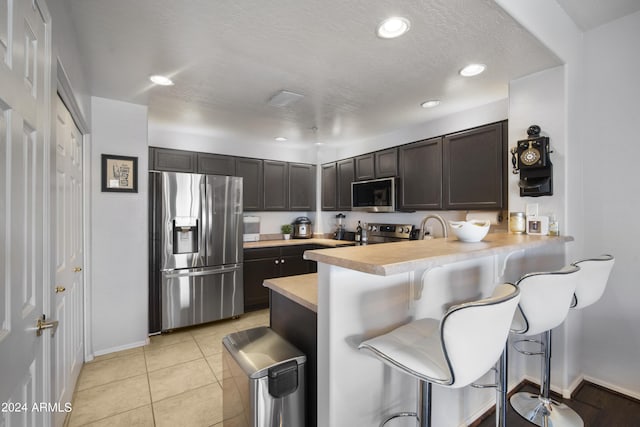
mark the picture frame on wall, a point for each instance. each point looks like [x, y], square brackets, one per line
[119, 174]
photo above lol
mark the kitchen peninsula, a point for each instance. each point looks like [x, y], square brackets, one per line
[364, 291]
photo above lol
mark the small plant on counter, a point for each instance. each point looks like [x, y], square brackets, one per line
[286, 231]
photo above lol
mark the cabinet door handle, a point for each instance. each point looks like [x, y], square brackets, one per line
[282, 261]
[277, 261]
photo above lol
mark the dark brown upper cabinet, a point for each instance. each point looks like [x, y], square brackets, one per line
[251, 172]
[386, 163]
[365, 167]
[276, 185]
[381, 164]
[302, 187]
[216, 164]
[345, 176]
[164, 159]
[474, 168]
[421, 175]
[328, 187]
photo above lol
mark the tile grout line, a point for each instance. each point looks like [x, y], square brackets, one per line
[153, 412]
[145, 352]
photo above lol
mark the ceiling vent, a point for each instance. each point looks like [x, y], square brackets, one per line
[284, 98]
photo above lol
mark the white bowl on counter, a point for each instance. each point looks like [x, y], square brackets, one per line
[470, 231]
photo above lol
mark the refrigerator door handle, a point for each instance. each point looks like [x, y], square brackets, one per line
[201, 271]
[210, 211]
[203, 219]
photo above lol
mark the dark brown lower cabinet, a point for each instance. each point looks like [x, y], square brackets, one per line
[299, 326]
[268, 263]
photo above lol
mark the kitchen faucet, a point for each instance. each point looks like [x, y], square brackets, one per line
[437, 218]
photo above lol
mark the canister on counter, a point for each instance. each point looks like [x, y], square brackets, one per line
[517, 223]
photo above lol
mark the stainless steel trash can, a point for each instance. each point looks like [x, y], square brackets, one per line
[263, 380]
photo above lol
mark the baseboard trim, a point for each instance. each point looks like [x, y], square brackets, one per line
[570, 391]
[121, 348]
[633, 395]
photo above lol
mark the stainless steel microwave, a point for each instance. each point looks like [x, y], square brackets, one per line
[376, 195]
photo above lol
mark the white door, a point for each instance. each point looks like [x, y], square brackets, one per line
[24, 218]
[68, 255]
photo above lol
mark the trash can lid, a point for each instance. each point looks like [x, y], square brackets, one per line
[258, 349]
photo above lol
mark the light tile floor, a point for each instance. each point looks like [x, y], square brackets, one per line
[176, 380]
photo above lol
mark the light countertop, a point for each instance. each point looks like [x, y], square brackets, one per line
[401, 257]
[292, 242]
[302, 289]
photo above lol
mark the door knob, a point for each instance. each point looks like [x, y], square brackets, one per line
[77, 269]
[60, 289]
[42, 325]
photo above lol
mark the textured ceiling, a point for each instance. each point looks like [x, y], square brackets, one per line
[228, 57]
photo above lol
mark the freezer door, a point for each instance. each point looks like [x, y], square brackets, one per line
[200, 295]
[224, 220]
[182, 227]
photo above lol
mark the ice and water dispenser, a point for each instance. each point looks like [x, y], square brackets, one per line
[185, 235]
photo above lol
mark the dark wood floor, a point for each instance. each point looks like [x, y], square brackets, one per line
[598, 407]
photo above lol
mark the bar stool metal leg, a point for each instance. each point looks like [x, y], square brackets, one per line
[501, 389]
[425, 404]
[540, 409]
[423, 413]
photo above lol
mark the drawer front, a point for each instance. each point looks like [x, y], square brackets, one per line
[260, 253]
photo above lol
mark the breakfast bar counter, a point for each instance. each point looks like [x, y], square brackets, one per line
[364, 291]
[401, 257]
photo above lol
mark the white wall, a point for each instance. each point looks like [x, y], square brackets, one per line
[539, 99]
[611, 342]
[119, 276]
[65, 50]
[603, 341]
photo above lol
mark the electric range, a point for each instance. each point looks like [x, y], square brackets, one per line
[385, 233]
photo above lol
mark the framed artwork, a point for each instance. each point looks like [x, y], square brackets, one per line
[119, 173]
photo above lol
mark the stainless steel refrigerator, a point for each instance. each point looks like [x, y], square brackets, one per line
[195, 258]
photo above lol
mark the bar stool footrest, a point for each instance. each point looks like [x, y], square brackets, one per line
[400, 415]
[526, 352]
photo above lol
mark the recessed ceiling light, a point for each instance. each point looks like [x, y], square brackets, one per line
[430, 103]
[472, 70]
[161, 80]
[280, 138]
[393, 27]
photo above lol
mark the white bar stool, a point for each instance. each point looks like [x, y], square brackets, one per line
[544, 304]
[453, 351]
[593, 278]
[590, 285]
